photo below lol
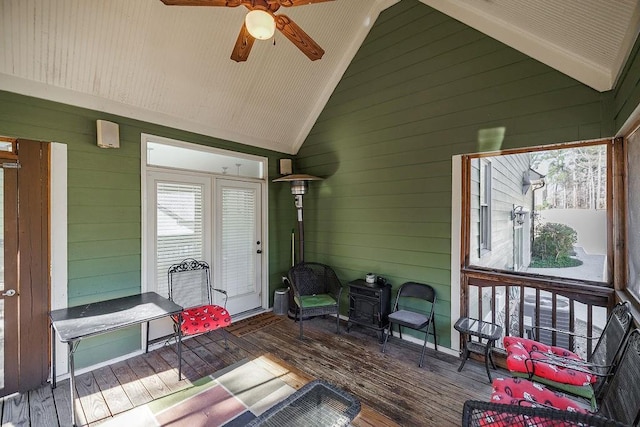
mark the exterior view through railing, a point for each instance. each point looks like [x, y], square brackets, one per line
[521, 307]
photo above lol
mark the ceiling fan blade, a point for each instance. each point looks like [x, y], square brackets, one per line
[227, 3]
[243, 46]
[290, 3]
[298, 37]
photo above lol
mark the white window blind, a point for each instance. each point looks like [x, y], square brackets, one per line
[238, 235]
[179, 227]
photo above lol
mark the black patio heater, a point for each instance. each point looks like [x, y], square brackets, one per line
[299, 185]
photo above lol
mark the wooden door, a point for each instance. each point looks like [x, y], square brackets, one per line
[24, 294]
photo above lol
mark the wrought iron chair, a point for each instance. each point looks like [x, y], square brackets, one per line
[620, 400]
[316, 291]
[414, 309]
[486, 414]
[564, 370]
[190, 287]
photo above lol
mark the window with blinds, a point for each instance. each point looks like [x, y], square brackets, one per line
[238, 235]
[179, 227]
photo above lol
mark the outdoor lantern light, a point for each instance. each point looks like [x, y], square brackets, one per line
[299, 185]
[518, 214]
[260, 24]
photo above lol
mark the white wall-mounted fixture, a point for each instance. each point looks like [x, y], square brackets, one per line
[108, 134]
[286, 167]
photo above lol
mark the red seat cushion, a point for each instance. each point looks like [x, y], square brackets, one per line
[519, 391]
[524, 353]
[202, 319]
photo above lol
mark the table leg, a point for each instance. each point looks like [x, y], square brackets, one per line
[179, 332]
[465, 356]
[487, 352]
[73, 345]
[146, 342]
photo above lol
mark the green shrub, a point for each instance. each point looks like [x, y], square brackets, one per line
[553, 242]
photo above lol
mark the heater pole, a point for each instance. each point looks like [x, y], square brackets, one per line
[300, 228]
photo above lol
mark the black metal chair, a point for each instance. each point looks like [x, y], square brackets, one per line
[414, 309]
[486, 414]
[620, 400]
[316, 291]
[190, 287]
[600, 364]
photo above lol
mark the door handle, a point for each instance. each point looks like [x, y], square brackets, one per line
[9, 293]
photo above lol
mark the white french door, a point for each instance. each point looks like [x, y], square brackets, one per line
[209, 218]
[178, 214]
[239, 243]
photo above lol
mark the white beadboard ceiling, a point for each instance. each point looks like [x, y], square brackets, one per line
[170, 64]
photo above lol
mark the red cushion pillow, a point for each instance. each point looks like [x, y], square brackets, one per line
[528, 356]
[519, 391]
[205, 318]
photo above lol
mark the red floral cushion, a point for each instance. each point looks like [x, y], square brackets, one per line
[528, 356]
[205, 318]
[519, 391]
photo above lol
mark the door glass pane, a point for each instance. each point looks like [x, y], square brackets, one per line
[238, 235]
[198, 159]
[179, 227]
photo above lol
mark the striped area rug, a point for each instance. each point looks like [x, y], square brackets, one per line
[254, 323]
[231, 397]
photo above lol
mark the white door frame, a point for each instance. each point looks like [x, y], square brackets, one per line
[147, 252]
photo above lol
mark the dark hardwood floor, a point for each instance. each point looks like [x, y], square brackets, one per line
[388, 385]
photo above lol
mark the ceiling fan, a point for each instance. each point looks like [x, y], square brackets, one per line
[261, 22]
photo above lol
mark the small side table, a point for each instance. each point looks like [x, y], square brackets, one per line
[483, 330]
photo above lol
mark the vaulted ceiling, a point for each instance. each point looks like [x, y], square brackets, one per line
[170, 64]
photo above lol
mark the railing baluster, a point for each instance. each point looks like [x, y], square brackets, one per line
[572, 324]
[521, 314]
[589, 327]
[507, 310]
[493, 304]
[554, 318]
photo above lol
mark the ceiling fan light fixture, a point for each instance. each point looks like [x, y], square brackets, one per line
[260, 24]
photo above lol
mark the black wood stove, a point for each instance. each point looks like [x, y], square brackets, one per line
[369, 305]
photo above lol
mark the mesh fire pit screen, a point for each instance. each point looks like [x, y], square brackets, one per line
[316, 404]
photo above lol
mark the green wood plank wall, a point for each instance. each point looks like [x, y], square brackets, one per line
[626, 94]
[417, 92]
[104, 225]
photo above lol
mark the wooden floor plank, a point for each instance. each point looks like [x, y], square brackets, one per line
[42, 407]
[170, 355]
[137, 393]
[147, 376]
[62, 399]
[199, 365]
[15, 412]
[113, 393]
[167, 373]
[93, 404]
[214, 363]
[392, 389]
